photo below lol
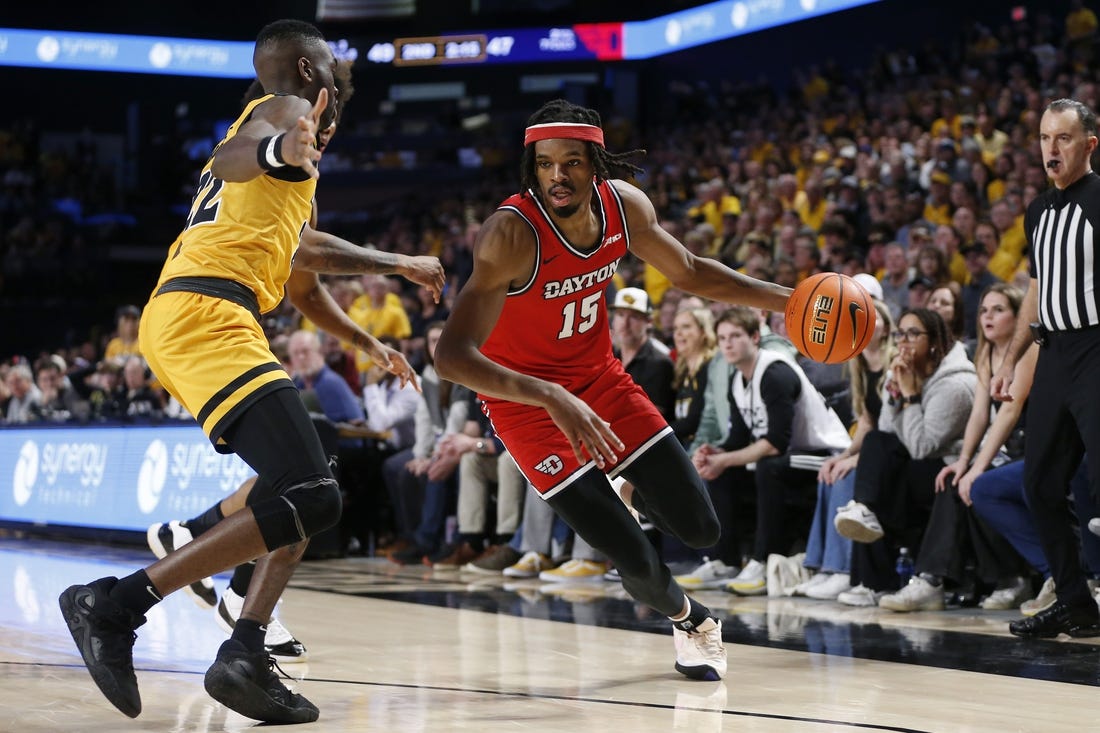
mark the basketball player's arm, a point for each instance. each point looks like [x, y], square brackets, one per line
[311, 298]
[295, 119]
[1000, 386]
[702, 276]
[328, 254]
[504, 254]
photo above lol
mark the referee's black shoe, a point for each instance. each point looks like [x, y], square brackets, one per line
[104, 634]
[1058, 619]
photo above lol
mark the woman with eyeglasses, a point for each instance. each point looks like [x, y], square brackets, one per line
[828, 554]
[929, 392]
[954, 533]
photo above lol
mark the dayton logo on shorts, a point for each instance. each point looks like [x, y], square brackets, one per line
[551, 465]
[823, 306]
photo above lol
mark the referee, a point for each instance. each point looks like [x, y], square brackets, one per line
[1062, 306]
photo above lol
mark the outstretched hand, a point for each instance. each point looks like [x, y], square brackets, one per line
[299, 144]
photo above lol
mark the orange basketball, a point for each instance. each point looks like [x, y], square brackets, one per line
[830, 317]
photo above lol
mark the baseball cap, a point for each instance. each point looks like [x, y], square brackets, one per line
[129, 311]
[634, 299]
[870, 283]
[922, 281]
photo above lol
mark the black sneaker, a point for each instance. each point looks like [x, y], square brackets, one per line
[244, 682]
[104, 634]
[1058, 619]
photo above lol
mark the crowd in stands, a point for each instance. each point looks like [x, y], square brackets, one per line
[913, 174]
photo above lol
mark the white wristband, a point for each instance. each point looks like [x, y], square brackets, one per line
[272, 155]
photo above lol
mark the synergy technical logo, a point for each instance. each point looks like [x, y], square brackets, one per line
[151, 476]
[26, 473]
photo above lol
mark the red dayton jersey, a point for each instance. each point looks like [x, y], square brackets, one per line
[555, 327]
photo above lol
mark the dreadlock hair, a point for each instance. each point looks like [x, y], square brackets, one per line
[604, 163]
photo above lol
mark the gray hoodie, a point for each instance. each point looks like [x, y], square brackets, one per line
[935, 427]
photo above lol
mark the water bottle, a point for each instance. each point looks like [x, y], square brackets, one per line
[904, 566]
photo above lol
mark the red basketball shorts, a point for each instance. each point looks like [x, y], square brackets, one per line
[542, 451]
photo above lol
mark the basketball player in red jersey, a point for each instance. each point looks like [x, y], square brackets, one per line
[529, 332]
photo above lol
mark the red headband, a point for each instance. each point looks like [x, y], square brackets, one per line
[568, 130]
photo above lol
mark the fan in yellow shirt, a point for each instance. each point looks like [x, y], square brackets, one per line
[125, 343]
[378, 312]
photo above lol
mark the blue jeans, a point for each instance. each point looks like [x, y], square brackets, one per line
[826, 550]
[438, 498]
[998, 496]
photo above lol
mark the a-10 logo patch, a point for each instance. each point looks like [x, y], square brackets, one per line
[823, 306]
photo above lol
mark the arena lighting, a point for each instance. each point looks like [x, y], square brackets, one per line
[618, 41]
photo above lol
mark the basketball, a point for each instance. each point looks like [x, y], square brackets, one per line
[830, 317]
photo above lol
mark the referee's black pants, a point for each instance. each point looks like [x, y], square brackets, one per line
[1063, 423]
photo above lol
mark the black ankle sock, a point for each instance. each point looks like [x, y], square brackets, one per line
[242, 576]
[136, 592]
[250, 633]
[697, 614]
[205, 521]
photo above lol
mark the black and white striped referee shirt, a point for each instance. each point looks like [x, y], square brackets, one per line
[1061, 231]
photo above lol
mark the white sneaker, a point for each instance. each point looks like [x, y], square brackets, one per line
[278, 641]
[861, 596]
[833, 586]
[1002, 599]
[858, 523]
[1046, 598]
[700, 654]
[711, 574]
[918, 595]
[751, 581]
[165, 538]
[783, 574]
[815, 579]
[1094, 525]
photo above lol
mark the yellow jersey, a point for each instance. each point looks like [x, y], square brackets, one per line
[246, 232]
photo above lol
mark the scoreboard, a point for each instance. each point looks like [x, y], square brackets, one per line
[582, 42]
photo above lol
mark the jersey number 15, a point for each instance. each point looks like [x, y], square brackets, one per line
[589, 311]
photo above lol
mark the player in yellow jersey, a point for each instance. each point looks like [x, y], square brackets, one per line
[317, 252]
[203, 340]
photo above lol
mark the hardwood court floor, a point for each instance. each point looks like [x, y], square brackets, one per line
[404, 651]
